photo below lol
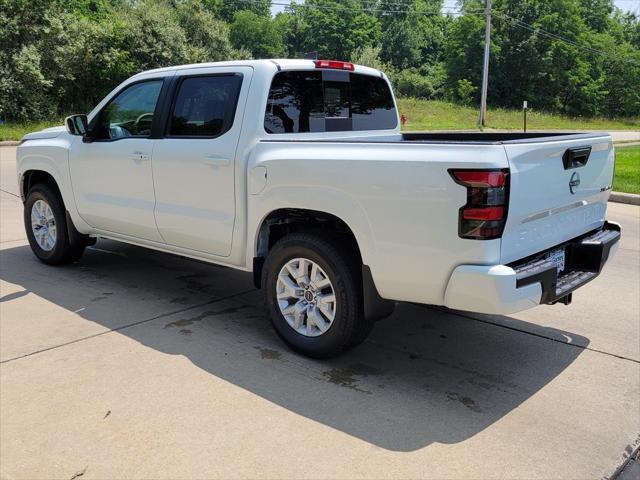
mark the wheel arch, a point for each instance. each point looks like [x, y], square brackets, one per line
[35, 176]
[282, 221]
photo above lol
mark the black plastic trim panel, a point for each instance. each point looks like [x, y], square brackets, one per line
[584, 258]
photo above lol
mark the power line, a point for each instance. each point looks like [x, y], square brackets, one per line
[372, 9]
[517, 22]
[555, 36]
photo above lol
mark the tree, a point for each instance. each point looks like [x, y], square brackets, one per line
[206, 35]
[226, 9]
[463, 53]
[260, 35]
[335, 29]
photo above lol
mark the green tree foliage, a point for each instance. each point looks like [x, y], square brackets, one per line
[578, 57]
[207, 36]
[548, 52]
[227, 9]
[258, 34]
[62, 56]
[412, 32]
[335, 28]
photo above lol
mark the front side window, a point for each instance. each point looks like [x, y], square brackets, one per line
[205, 106]
[130, 112]
[325, 100]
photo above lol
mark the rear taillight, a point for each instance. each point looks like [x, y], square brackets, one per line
[335, 64]
[485, 213]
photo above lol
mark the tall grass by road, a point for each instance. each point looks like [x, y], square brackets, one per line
[433, 115]
[15, 131]
[436, 115]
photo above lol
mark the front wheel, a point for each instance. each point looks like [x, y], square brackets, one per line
[313, 291]
[46, 227]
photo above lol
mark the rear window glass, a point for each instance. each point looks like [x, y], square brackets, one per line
[328, 101]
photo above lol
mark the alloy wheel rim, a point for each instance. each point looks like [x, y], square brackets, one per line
[306, 297]
[43, 225]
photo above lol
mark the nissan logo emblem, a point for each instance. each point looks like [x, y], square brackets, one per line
[574, 182]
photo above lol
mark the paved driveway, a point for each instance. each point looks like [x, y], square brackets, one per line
[137, 364]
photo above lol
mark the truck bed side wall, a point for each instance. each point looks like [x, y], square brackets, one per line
[399, 201]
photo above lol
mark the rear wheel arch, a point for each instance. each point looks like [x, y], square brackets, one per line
[282, 222]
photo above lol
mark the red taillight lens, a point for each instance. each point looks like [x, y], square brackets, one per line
[480, 178]
[484, 215]
[335, 64]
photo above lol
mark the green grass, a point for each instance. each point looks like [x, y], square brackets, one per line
[15, 131]
[432, 115]
[436, 115]
[627, 177]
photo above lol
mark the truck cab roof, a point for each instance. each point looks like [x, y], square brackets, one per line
[277, 64]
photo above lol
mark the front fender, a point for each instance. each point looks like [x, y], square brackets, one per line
[51, 155]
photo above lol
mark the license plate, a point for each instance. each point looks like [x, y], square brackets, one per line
[557, 257]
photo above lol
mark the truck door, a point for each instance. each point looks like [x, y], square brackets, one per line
[111, 175]
[193, 162]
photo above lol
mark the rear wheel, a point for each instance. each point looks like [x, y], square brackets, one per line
[46, 226]
[313, 291]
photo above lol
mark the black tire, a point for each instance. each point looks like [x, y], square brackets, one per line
[62, 252]
[342, 266]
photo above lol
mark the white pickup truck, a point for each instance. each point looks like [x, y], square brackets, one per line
[297, 170]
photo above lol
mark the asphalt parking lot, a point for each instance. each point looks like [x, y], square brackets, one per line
[138, 364]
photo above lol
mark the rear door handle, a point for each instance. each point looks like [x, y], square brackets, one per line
[217, 161]
[139, 156]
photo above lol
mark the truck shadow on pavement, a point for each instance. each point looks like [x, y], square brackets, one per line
[424, 375]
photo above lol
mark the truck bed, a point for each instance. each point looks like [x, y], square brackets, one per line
[473, 138]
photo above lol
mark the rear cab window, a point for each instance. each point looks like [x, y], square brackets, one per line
[328, 101]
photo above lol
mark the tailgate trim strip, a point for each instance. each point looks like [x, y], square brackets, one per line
[554, 211]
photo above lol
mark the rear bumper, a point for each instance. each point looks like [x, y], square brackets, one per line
[504, 289]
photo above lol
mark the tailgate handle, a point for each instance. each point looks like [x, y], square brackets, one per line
[576, 157]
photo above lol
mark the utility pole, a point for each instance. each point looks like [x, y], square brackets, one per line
[485, 68]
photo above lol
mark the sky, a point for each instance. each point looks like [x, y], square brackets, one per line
[625, 5]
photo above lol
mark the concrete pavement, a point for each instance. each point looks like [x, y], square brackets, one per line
[137, 364]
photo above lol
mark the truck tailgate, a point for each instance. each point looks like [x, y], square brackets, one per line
[558, 190]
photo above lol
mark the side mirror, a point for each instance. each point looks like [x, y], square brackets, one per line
[77, 124]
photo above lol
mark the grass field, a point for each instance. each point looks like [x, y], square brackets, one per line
[433, 115]
[15, 131]
[627, 177]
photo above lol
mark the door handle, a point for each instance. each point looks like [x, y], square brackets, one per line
[139, 156]
[217, 161]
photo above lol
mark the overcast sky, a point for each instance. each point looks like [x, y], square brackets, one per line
[626, 5]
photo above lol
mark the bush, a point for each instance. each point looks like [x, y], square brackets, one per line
[426, 83]
[466, 91]
[51, 52]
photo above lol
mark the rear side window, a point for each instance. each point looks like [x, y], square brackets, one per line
[205, 106]
[328, 101]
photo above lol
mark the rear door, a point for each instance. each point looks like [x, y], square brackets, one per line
[193, 164]
[558, 191]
